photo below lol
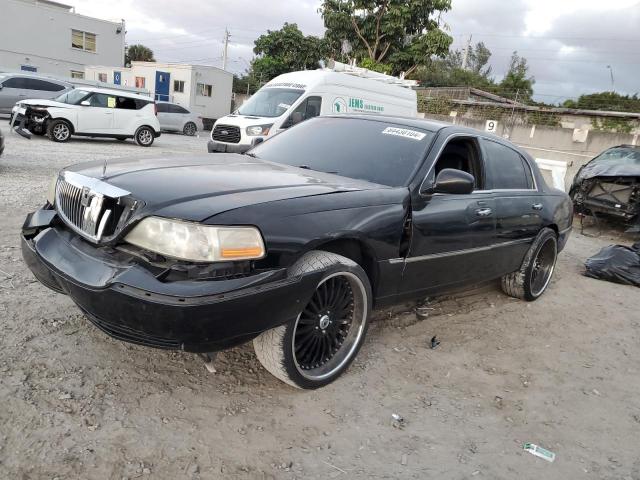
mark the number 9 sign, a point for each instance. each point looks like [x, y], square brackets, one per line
[491, 126]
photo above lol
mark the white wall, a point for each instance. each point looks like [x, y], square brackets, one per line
[40, 36]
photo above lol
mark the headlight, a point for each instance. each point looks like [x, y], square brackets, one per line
[196, 242]
[51, 192]
[258, 130]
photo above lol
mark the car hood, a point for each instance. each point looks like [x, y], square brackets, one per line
[596, 169]
[39, 102]
[198, 187]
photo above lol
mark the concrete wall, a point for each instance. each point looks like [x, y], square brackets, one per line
[216, 106]
[573, 146]
[40, 36]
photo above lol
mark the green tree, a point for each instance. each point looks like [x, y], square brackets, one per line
[517, 84]
[606, 101]
[401, 33]
[448, 72]
[138, 53]
[479, 57]
[285, 50]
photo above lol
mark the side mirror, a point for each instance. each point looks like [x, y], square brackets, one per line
[453, 182]
[85, 103]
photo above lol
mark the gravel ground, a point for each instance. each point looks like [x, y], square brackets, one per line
[561, 372]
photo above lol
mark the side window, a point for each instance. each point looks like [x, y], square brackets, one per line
[163, 108]
[309, 108]
[177, 109]
[101, 100]
[15, 82]
[125, 103]
[506, 169]
[42, 85]
[461, 154]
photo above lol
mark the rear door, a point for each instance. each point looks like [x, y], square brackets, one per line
[518, 207]
[98, 116]
[179, 116]
[164, 117]
[13, 90]
[37, 88]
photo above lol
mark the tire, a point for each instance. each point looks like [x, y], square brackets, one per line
[526, 283]
[294, 352]
[59, 131]
[145, 136]
[190, 129]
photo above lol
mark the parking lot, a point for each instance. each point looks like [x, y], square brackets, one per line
[561, 372]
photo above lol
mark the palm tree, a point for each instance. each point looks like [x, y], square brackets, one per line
[138, 53]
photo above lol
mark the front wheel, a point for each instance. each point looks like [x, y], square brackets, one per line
[144, 136]
[320, 344]
[534, 276]
[59, 131]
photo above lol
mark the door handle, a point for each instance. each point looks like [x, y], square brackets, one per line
[537, 206]
[484, 212]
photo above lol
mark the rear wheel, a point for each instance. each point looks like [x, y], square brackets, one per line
[144, 136]
[190, 129]
[320, 344]
[59, 131]
[534, 276]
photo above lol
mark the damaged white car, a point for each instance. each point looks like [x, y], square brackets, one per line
[91, 112]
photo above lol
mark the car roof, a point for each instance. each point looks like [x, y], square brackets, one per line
[34, 76]
[109, 91]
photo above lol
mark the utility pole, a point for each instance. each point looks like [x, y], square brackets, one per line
[613, 82]
[226, 49]
[465, 59]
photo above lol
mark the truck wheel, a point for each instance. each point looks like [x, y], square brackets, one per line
[320, 344]
[190, 129]
[59, 131]
[144, 136]
[534, 276]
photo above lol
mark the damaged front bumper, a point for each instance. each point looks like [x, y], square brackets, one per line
[127, 301]
[27, 120]
[617, 197]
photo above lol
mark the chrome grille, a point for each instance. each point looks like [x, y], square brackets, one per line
[92, 207]
[226, 133]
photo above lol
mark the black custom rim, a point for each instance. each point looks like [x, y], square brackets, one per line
[543, 266]
[329, 328]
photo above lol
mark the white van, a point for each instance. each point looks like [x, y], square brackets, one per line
[294, 97]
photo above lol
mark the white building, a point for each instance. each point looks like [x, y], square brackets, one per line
[202, 89]
[49, 37]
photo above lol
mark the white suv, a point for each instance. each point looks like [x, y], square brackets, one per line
[91, 112]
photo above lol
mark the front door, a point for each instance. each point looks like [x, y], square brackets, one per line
[162, 86]
[452, 234]
[97, 116]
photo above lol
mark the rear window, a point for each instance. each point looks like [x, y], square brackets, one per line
[375, 151]
[15, 82]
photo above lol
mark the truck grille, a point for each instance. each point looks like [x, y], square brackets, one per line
[88, 211]
[226, 133]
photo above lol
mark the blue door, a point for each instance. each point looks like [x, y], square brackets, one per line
[162, 86]
[117, 78]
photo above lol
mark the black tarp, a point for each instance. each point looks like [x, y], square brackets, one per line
[616, 263]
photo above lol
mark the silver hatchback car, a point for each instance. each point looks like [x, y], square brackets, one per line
[18, 86]
[175, 118]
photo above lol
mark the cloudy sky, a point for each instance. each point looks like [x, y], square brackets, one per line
[569, 43]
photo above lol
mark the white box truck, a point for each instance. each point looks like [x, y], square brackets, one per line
[294, 97]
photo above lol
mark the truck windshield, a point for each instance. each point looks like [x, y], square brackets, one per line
[382, 152]
[73, 97]
[270, 102]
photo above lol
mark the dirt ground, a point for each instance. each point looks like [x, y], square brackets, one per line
[561, 372]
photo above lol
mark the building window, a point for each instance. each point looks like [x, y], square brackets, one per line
[205, 90]
[77, 74]
[178, 86]
[28, 68]
[83, 40]
[102, 77]
[140, 82]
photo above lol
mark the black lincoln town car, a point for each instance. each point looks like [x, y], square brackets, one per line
[293, 244]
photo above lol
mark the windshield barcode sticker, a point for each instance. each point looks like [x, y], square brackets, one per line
[403, 132]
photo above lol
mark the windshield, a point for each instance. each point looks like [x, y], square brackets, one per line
[73, 97]
[270, 102]
[381, 152]
[619, 156]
